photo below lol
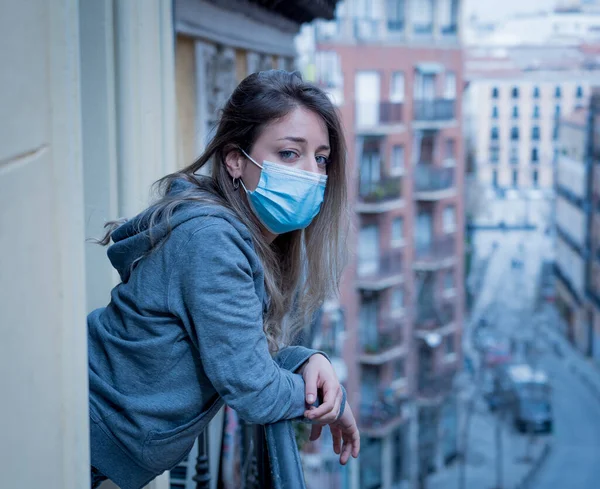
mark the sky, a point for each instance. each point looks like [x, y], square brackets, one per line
[494, 10]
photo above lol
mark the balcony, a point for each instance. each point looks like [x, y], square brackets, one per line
[380, 195]
[378, 117]
[380, 416]
[386, 345]
[433, 315]
[380, 272]
[434, 183]
[433, 385]
[436, 254]
[433, 112]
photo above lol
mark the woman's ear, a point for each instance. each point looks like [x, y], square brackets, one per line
[235, 162]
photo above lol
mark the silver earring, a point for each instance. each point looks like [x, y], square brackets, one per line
[236, 183]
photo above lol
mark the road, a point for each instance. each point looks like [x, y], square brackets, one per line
[506, 299]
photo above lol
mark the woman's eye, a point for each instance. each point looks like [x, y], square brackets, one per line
[322, 160]
[288, 155]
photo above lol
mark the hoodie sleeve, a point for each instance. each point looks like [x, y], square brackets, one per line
[212, 290]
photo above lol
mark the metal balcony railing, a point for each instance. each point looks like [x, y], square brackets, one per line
[376, 191]
[385, 339]
[372, 114]
[434, 110]
[433, 384]
[378, 412]
[255, 466]
[430, 178]
[373, 273]
[431, 315]
[436, 249]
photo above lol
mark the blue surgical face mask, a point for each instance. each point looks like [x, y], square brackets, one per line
[286, 199]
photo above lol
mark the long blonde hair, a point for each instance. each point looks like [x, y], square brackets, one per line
[301, 268]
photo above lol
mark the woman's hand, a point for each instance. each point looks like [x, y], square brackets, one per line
[318, 375]
[346, 438]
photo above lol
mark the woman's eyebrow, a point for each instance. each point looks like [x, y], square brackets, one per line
[300, 140]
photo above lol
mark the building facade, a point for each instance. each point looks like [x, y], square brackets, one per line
[513, 121]
[100, 100]
[395, 70]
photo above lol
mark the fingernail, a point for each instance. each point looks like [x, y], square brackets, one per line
[310, 398]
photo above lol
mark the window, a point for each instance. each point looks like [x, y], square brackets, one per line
[579, 92]
[494, 154]
[448, 14]
[494, 136]
[449, 344]
[450, 152]
[555, 158]
[536, 111]
[514, 133]
[449, 219]
[536, 92]
[495, 178]
[555, 132]
[557, 111]
[367, 98]
[422, 16]
[368, 250]
[515, 178]
[397, 160]
[534, 155]
[515, 92]
[397, 87]
[371, 471]
[535, 133]
[369, 172]
[535, 178]
[449, 280]
[397, 231]
[495, 92]
[397, 302]
[400, 464]
[495, 112]
[399, 369]
[515, 112]
[514, 154]
[450, 85]
[395, 15]
[557, 92]
[328, 69]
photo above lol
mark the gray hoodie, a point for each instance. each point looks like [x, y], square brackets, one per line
[181, 335]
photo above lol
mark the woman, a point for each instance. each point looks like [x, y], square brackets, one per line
[209, 274]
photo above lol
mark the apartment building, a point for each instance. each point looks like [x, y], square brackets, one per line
[395, 69]
[514, 101]
[593, 264]
[572, 214]
[577, 222]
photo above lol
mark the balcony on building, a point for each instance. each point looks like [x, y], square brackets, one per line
[381, 195]
[437, 253]
[432, 315]
[433, 182]
[434, 384]
[380, 270]
[381, 415]
[383, 344]
[378, 117]
[433, 112]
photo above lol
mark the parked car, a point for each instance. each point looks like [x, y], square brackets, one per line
[526, 393]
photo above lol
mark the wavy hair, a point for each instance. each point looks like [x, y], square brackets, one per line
[302, 268]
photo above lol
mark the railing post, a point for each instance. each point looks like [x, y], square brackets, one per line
[262, 458]
[202, 476]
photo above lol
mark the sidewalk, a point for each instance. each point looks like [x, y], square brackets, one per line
[482, 460]
[582, 367]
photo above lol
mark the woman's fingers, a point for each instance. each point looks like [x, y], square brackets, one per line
[315, 432]
[311, 377]
[330, 389]
[336, 434]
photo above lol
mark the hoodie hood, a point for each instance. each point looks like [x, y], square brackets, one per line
[134, 239]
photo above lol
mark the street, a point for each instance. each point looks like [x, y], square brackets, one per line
[506, 300]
